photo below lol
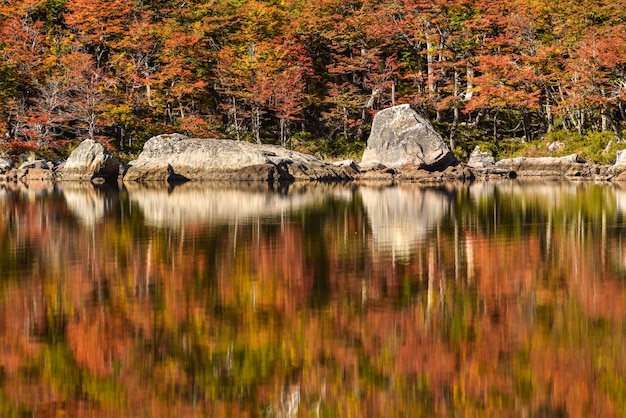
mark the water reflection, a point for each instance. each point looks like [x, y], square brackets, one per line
[192, 203]
[89, 202]
[473, 300]
[401, 217]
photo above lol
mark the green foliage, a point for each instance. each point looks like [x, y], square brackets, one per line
[335, 148]
[594, 147]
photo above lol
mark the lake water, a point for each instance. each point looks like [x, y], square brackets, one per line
[503, 299]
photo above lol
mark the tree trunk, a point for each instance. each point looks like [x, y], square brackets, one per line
[430, 65]
[549, 120]
[470, 83]
[526, 123]
[256, 124]
[453, 127]
[608, 120]
[235, 120]
[495, 128]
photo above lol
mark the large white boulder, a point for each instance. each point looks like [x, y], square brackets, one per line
[400, 136]
[179, 158]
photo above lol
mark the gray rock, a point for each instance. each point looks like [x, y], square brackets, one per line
[479, 159]
[38, 164]
[33, 171]
[557, 167]
[90, 161]
[347, 163]
[620, 162]
[555, 146]
[36, 174]
[421, 175]
[493, 173]
[179, 158]
[400, 136]
[5, 165]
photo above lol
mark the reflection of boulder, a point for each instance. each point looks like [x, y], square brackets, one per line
[33, 189]
[401, 217]
[87, 202]
[620, 198]
[217, 203]
[551, 194]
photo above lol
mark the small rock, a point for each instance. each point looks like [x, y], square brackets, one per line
[620, 162]
[479, 159]
[5, 165]
[554, 146]
[40, 164]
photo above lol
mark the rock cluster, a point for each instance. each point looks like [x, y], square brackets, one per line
[548, 167]
[29, 171]
[403, 146]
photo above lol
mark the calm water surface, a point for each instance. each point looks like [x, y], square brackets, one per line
[500, 299]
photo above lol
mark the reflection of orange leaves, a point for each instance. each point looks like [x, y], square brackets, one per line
[98, 341]
[564, 376]
[19, 319]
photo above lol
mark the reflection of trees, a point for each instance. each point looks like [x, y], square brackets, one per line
[507, 300]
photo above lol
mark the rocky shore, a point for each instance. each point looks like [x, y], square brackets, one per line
[402, 146]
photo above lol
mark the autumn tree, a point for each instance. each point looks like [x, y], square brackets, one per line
[289, 85]
[87, 94]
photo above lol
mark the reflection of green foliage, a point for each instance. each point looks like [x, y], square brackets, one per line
[524, 381]
[58, 367]
[11, 409]
[545, 317]
[370, 374]
[596, 147]
[614, 385]
[7, 407]
[519, 212]
[464, 306]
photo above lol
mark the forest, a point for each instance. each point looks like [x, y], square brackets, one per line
[309, 75]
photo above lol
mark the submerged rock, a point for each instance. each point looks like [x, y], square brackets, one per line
[176, 158]
[88, 162]
[401, 137]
